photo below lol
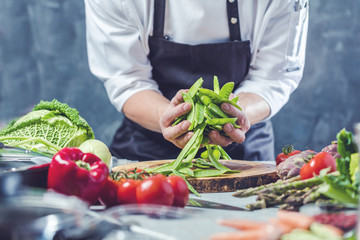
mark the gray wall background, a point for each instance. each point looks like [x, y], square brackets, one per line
[43, 56]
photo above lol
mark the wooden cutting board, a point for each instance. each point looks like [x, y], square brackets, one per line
[252, 174]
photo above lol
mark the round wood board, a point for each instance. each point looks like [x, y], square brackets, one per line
[252, 174]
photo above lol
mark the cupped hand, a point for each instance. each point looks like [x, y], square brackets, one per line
[178, 134]
[234, 134]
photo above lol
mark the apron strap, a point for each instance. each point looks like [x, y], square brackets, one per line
[233, 20]
[159, 18]
[232, 14]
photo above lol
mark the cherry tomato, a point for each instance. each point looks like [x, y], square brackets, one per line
[320, 161]
[181, 191]
[108, 194]
[126, 193]
[287, 152]
[155, 190]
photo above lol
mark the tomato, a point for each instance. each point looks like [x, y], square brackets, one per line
[155, 190]
[320, 161]
[287, 152]
[108, 194]
[181, 191]
[126, 193]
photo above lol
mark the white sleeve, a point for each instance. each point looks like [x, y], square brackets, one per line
[278, 55]
[117, 54]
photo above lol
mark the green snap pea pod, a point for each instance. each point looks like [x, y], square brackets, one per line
[198, 131]
[216, 85]
[215, 161]
[179, 119]
[200, 166]
[217, 110]
[204, 162]
[204, 154]
[224, 154]
[209, 172]
[204, 99]
[235, 99]
[205, 140]
[195, 148]
[164, 167]
[216, 98]
[187, 171]
[191, 114]
[195, 87]
[199, 113]
[220, 121]
[216, 127]
[226, 90]
[208, 114]
[191, 188]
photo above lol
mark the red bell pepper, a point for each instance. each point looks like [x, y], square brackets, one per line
[73, 172]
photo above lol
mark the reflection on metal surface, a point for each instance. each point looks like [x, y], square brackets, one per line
[212, 205]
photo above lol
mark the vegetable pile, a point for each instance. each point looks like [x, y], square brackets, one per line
[287, 226]
[49, 127]
[322, 179]
[84, 175]
[205, 115]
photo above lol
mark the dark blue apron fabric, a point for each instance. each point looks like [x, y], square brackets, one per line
[177, 66]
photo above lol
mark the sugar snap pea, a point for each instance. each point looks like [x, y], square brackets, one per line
[216, 85]
[198, 131]
[204, 99]
[179, 119]
[216, 98]
[208, 173]
[215, 161]
[187, 171]
[220, 121]
[199, 113]
[223, 153]
[215, 109]
[195, 87]
[226, 90]
[200, 166]
[191, 114]
[235, 99]
[191, 188]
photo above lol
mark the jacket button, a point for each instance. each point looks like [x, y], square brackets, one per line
[233, 20]
[231, 1]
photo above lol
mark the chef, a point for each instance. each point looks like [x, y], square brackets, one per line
[147, 51]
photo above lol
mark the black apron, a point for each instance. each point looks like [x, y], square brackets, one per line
[177, 66]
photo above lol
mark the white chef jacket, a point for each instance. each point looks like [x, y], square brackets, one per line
[117, 34]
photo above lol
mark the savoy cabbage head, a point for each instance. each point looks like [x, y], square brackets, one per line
[50, 126]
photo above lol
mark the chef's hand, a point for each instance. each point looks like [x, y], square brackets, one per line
[178, 134]
[234, 134]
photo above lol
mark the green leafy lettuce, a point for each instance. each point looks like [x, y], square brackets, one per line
[50, 126]
[344, 187]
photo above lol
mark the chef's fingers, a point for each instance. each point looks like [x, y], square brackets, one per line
[236, 134]
[172, 113]
[218, 139]
[242, 119]
[178, 98]
[178, 134]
